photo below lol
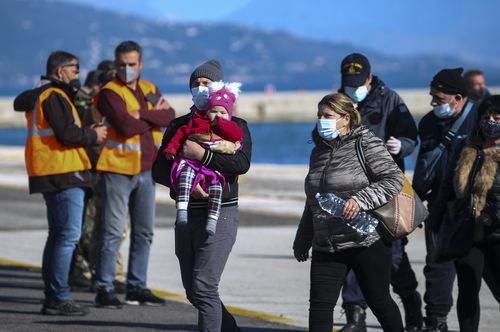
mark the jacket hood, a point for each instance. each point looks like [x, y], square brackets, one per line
[26, 101]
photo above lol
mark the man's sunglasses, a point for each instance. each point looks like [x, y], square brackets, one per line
[77, 65]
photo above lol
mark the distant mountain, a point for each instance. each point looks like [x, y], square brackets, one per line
[256, 57]
[466, 28]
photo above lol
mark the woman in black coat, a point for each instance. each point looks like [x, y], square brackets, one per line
[481, 150]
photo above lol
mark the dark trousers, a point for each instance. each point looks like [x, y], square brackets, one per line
[372, 265]
[202, 259]
[439, 279]
[492, 280]
[403, 280]
[469, 274]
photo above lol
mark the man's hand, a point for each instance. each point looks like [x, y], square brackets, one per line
[135, 115]
[192, 150]
[199, 193]
[162, 104]
[393, 145]
[102, 133]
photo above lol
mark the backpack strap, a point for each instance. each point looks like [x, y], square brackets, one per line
[450, 135]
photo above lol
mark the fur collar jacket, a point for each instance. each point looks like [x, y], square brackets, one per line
[484, 181]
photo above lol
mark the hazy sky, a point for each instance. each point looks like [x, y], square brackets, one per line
[464, 28]
[172, 9]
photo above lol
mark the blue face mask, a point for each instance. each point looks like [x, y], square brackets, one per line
[200, 96]
[490, 129]
[327, 129]
[356, 94]
[443, 111]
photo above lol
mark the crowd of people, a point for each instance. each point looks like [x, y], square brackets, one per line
[96, 151]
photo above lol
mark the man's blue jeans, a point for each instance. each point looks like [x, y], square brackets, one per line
[121, 193]
[64, 215]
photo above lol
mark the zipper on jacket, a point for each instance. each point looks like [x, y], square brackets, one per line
[476, 168]
[323, 174]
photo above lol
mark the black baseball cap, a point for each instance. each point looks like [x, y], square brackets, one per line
[355, 69]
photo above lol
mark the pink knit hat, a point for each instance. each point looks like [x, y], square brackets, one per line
[224, 95]
[223, 98]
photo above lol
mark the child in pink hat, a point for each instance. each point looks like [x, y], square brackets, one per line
[212, 128]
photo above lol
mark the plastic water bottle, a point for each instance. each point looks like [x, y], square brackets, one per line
[363, 223]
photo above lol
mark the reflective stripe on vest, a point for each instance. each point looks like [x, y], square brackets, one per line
[121, 154]
[40, 132]
[123, 146]
[44, 153]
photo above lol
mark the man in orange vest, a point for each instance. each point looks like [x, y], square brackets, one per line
[58, 167]
[135, 111]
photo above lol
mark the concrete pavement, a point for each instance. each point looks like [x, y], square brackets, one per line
[21, 288]
[261, 279]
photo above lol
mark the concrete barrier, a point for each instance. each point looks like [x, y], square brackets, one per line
[257, 107]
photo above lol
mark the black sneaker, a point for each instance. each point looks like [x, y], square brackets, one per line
[143, 296]
[436, 324]
[107, 299]
[63, 308]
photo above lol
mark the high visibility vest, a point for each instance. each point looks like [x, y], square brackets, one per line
[44, 153]
[121, 154]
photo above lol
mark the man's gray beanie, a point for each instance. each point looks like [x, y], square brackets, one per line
[210, 69]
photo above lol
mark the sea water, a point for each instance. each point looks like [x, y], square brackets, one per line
[272, 142]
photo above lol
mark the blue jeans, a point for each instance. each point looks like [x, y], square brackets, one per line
[64, 215]
[137, 195]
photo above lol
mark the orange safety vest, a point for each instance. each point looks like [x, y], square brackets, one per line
[44, 153]
[121, 154]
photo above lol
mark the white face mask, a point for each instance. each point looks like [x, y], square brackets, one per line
[200, 96]
[443, 111]
[327, 129]
[128, 74]
[356, 94]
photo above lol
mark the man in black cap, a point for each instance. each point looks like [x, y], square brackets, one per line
[453, 116]
[381, 108]
[386, 114]
[201, 257]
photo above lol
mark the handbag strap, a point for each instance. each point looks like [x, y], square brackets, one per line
[476, 166]
[361, 156]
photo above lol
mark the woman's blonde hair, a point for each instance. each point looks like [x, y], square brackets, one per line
[342, 105]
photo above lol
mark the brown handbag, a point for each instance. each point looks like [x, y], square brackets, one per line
[403, 213]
